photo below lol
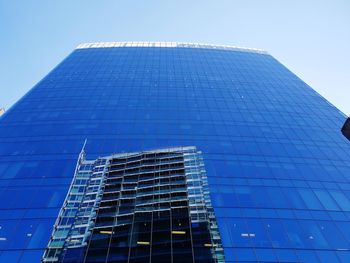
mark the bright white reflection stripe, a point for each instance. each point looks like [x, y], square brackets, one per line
[167, 44]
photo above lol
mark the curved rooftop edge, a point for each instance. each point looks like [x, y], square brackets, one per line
[168, 45]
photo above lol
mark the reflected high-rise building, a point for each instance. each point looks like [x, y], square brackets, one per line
[173, 152]
[149, 206]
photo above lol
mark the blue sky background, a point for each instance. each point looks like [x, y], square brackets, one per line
[310, 37]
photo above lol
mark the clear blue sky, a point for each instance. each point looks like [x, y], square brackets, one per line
[310, 37]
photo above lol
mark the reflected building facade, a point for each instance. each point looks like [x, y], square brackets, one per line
[193, 152]
[149, 206]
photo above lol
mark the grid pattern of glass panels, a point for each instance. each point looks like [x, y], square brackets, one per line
[277, 164]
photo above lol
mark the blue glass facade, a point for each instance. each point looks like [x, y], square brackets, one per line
[277, 163]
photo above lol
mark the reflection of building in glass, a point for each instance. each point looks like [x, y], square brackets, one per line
[151, 206]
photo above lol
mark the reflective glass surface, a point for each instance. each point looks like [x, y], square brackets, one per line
[277, 163]
[151, 206]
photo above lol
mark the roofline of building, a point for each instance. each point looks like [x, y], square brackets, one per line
[168, 45]
[158, 150]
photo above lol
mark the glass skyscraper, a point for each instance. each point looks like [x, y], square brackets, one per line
[173, 152]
